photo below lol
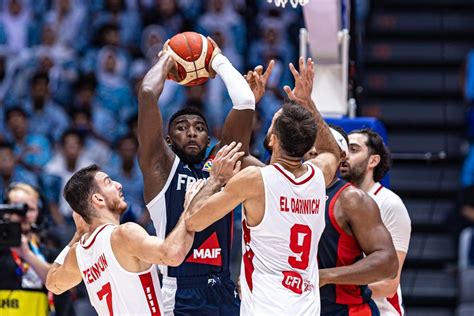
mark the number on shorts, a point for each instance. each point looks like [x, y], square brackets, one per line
[302, 248]
[106, 291]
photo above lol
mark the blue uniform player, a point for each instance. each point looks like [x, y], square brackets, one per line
[201, 285]
[355, 248]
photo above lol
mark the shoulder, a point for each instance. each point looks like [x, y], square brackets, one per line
[352, 198]
[127, 232]
[389, 199]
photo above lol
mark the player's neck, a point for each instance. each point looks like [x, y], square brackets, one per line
[107, 218]
[290, 164]
[367, 183]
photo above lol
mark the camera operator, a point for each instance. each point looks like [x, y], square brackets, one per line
[23, 269]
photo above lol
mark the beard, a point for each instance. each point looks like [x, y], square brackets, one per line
[356, 173]
[188, 158]
[266, 144]
[117, 205]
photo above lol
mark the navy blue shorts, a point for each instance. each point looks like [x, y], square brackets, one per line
[366, 309]
[211, 295]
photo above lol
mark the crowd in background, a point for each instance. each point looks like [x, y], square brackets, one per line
[69, 73]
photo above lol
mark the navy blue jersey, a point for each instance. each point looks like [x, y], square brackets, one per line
[211, 248]
[337, 249]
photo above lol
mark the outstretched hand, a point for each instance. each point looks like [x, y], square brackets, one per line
[257, 79]
[171, 65]
[226, 164]
[301, 93]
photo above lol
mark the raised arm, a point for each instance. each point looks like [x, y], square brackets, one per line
[328, 150]
[154, 155]
[363, 217]
[238, 124]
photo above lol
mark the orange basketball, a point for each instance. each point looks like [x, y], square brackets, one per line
[192, 53]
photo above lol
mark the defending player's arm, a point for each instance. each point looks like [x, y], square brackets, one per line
[64, 273]
[154, 155]
[151, 249]
[363, 217]
[212, 203]
[328, 150]
[62, 277]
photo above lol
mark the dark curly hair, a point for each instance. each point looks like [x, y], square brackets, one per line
[376, 146]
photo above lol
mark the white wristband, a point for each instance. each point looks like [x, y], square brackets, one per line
[60, 258]
[239, 91]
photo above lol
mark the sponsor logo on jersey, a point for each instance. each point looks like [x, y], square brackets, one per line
[94, 272]
[293, 281]
[9, 303]
[299, 206]
[208, 253]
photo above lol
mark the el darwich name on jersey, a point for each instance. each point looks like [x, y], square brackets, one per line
[299, 206]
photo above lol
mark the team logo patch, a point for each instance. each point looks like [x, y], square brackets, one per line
[208, 165]
[208, 253]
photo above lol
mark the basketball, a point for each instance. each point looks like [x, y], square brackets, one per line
[192, 53]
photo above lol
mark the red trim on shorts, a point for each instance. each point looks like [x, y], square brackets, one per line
[293, 180]
[150, 294]
[395, 302]
[247, 257]
[359, 310]
[95, 236]
[378, 190]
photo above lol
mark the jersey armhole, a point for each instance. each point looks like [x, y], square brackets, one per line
[332, 218]
[167, 184]
[256, 227]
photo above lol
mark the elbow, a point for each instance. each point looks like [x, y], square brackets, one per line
[390, 266]
[176, 256]
[49, 284]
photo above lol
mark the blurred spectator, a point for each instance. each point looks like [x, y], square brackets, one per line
[96, 148]
[166, 13]
[113, 91]
[66, 17]
[16, 29]
[44, 112]
[124, 169]
[31, 150]
[24, 267]
[153, 38]
[67, 160]
[128, 21]
[103, 120]
[221, 15]
[10, 171]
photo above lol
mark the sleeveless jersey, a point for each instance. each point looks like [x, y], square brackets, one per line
[210, 251]
[279, 272]
[338, 249]
[113, 290]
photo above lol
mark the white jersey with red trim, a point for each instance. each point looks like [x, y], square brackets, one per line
[113, 290]
[397, 221]
[279, 273]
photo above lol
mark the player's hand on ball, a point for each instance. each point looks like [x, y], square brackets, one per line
[226, 164]
[301, 93]
[257, 79]
[171, 63]
[217, 51]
